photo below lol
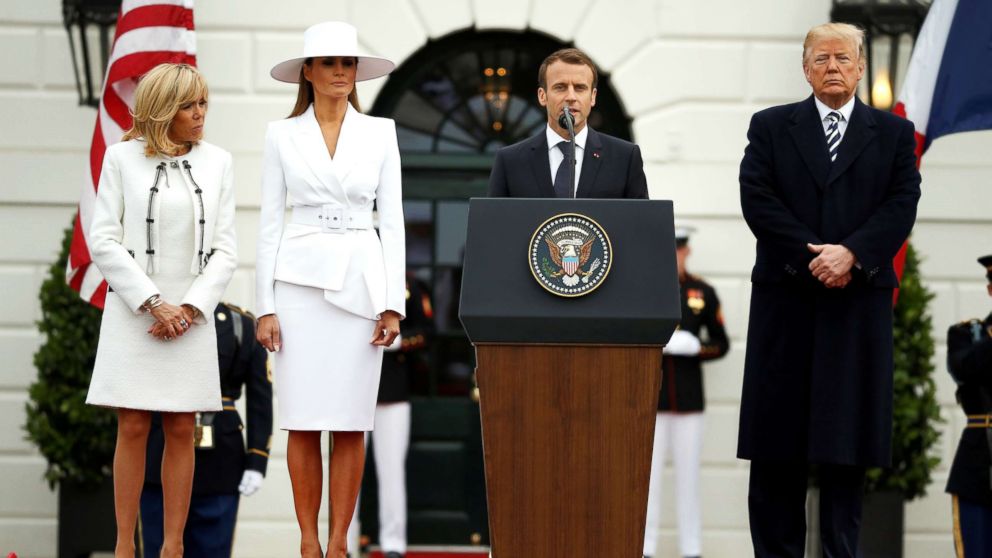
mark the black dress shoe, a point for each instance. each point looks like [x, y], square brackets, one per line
[393, 554]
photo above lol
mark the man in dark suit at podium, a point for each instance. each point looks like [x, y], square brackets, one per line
[605, 166]
[829, 187]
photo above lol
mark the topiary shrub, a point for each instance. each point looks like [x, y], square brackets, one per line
[77, 439]
[915, 409]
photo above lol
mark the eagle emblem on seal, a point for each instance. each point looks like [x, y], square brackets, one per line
[570, 255]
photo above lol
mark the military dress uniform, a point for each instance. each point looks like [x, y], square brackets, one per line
[221, 454]
[969, 361]
[391, 436]
[679, 422]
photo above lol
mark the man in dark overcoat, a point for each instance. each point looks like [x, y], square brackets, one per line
[829, 187]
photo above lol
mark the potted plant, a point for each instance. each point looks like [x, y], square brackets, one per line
[76, 439]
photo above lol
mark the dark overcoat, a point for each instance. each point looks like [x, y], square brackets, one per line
[611, 168]
[818, 368]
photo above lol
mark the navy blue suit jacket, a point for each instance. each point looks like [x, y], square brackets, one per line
[611, 168]
[818, 368]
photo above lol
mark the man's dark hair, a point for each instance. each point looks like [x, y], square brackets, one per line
[568, 56]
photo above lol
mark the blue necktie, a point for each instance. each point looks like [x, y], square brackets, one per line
[562, 188]
[833, 135]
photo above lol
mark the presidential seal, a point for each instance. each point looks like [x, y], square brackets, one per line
[570, 255]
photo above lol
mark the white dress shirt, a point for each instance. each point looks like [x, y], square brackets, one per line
[555, 156]
[844, 111]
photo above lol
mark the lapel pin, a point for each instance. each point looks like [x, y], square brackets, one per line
[595, 154]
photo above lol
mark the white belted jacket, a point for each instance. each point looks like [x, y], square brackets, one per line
[123, 235]
[328, 241]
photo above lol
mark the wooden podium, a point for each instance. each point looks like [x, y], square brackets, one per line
[568, 385]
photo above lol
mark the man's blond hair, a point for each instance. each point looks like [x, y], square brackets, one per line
[844, 31]
[160, 94]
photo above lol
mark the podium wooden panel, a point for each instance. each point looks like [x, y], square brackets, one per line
[578, 489]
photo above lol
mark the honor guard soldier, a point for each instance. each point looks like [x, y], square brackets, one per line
[225, 469]
[969, 361]
[679, 423]
[391, 437]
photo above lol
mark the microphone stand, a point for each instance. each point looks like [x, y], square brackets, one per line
[567, 121]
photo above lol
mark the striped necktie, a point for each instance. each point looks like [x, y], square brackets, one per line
[833, 135]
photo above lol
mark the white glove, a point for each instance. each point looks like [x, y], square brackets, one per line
[682, 343]
[250, 482]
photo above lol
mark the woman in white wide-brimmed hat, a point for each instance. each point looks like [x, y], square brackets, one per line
[330, 291]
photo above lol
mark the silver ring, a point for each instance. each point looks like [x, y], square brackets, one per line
[167, 338]
[184, 323]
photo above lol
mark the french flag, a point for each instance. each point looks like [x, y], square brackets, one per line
[948, 86]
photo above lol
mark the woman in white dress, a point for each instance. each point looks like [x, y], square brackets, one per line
[330, 290]
[163, 237]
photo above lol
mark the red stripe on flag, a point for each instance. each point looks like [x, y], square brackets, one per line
[900, 110]
[117, 110]
[100, 296]
[138, 63]
[156, 15]
[79, 254]
[97, 149]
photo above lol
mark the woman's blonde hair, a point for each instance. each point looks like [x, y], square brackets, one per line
[304, 95]
[843, 31]
[160, 94]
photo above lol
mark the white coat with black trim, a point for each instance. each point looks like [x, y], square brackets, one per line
[123, 234]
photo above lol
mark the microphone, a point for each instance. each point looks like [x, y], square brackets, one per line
[567, 121]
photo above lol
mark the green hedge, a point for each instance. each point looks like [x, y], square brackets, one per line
[77, 439]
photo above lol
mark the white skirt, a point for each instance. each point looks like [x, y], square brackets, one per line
[327, 371]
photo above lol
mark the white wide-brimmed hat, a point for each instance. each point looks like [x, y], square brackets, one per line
[332, 38]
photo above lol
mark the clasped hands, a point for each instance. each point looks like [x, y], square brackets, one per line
[171, 321]
[832, 265]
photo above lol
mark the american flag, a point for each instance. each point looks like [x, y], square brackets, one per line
[149, 33]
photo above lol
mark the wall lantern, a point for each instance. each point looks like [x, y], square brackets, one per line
[89, 24]
[891, 27]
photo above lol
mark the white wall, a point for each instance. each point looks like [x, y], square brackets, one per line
[690, 73]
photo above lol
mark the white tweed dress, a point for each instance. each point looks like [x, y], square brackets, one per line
[135, 370]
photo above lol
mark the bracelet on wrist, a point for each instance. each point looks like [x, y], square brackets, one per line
[153, 301]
